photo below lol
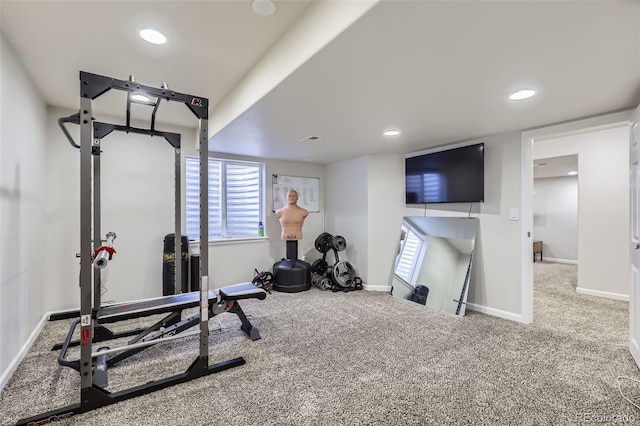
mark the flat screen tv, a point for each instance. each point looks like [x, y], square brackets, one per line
[450, 176]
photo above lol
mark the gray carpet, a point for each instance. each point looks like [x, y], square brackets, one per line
[364, 358]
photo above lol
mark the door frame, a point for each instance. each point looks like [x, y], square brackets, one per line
[599, 122]
[634, 332]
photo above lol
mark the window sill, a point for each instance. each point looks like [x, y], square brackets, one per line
[237, 240]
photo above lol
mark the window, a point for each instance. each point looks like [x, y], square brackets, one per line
[412, 248]
[235, 198]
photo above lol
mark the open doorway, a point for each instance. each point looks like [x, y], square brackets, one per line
[555, 208]
[555, 233]
[601, 144]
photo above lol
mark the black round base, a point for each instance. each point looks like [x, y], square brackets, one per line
[291, 276]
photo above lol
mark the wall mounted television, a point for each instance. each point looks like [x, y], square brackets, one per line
[450, 176]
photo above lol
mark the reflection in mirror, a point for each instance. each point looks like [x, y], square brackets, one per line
[433, 261]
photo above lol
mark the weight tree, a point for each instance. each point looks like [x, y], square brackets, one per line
[91, 132]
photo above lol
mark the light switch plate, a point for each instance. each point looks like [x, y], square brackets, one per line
[513, 213]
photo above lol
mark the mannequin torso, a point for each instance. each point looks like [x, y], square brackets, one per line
[291, 218]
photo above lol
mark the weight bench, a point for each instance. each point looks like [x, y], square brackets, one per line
[228, 302]
[168, 328]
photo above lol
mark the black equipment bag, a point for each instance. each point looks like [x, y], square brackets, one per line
[169, 265]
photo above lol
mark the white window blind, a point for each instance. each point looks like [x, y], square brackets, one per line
[243, 199]
[235, 198]
[408, 257]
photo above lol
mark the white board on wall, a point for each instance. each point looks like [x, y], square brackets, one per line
[308, 189]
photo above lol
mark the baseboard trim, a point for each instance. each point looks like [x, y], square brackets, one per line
[13, 366]
[606, 294]
[554, 260]
[495, 312]
[64, 314]
[368, 287]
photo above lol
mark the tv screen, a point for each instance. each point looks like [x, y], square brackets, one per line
[450, 176]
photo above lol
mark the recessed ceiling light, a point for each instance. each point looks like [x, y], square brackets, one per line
[572, 173]
[391, 132]
[140, 97]
[153, 36]
[263, 7]
[522, 94]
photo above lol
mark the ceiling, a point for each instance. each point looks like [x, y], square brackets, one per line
[441, 72]
[555, 166]
[211, 46]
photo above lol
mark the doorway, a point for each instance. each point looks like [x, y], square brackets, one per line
[555, 234]
[603, 202]
[555, 208]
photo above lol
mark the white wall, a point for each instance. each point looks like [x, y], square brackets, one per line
[137, 197]
[555, 217]
[603, 206]
[347, 210]
[138, 204]
[377, 183]
[365, 201]
[386, 208]
[493, 288]
[22, 208]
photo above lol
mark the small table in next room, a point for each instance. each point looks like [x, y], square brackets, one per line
[537, 248]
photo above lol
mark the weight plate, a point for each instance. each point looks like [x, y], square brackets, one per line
[315, 280]
[357, 282]
[263, 279]
[325, 284]
[323, 242]
[339, 243]
[314, 266]
[319, 266]
[343, 274]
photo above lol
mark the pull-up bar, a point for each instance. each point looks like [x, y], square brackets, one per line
[93, 85]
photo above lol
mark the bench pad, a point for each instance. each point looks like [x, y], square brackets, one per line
[242, 291]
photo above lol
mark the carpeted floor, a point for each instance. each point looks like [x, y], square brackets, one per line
[364, 358]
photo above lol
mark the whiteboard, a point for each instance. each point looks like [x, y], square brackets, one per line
[308, 191]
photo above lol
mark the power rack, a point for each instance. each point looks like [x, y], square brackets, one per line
[92, 315]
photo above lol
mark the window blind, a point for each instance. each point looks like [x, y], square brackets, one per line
[406, 263]
[235, 198]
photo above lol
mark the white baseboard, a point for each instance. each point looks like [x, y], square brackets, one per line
[368, 287]
[598, 293]
[495, 312]
[554, 260]
[6, 375]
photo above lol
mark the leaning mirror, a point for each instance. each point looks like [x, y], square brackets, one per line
[433, 261]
